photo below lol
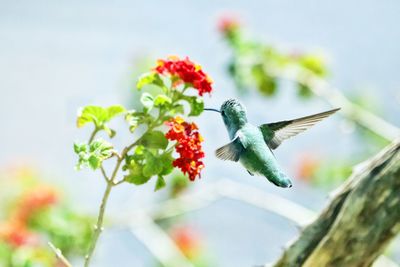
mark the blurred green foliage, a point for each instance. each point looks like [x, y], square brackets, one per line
[34, 213]
[258, 65]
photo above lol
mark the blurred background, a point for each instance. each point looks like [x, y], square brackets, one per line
[59, 56]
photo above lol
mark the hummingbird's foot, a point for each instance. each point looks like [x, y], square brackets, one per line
[252, 174]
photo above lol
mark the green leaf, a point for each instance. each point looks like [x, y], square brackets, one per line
[113, 111]
[132, 118]
[166, 160]
[142, 165]
[139, 150]
[177, 109]
[266, 84]
[110, 132]
[152, 166]
[94, 154]
[314, 63]
[94, 162]
[101, 147]
[147, 101]
[160, 183]
[78, 148]
[94, 114]
[196, 105]
[99, 116]
[135, 175]
[154, 139]
[304, 91]
[151, 78]
[145, 79]
[162, 100]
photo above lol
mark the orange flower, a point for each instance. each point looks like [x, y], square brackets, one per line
[16, 234]
[185, 71]
[187, 240]
[188, 146]
[307, 167]
[34, 200]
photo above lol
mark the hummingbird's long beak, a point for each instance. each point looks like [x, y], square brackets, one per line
[212, 109]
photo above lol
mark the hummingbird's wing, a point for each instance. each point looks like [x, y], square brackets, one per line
[275, 133]
[230, 151]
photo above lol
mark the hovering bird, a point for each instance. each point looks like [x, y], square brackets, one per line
[252, 145]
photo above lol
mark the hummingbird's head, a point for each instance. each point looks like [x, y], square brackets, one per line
[233, 113]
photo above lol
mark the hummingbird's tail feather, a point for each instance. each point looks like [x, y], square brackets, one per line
[280, 180]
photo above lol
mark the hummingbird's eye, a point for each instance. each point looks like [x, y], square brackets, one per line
[223, 113]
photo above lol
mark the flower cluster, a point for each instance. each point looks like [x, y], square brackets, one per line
[188, 146]
[15, 231]
[185, 71]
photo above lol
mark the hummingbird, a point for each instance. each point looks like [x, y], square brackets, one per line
[252, 145]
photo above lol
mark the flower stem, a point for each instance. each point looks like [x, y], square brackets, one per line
[110, 183]
[95, 131]
[99, 224]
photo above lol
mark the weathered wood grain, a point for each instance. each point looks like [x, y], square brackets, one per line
[359, 222]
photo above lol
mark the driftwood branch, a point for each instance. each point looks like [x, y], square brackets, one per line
[360, 221]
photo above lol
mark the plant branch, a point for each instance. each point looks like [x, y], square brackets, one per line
[103, 172]
[99, 225]
[119, 182]
[110, 183]
[59, 255]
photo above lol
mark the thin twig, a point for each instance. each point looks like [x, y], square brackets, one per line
[59, 255]
[119, 182]
[103, 171]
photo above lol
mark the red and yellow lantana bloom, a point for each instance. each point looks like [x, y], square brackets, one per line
[188, 146]
[185, 71]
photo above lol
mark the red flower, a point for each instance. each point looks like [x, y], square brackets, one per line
[188, 146]
[185, 71]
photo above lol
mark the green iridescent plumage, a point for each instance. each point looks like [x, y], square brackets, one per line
[252, 145]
